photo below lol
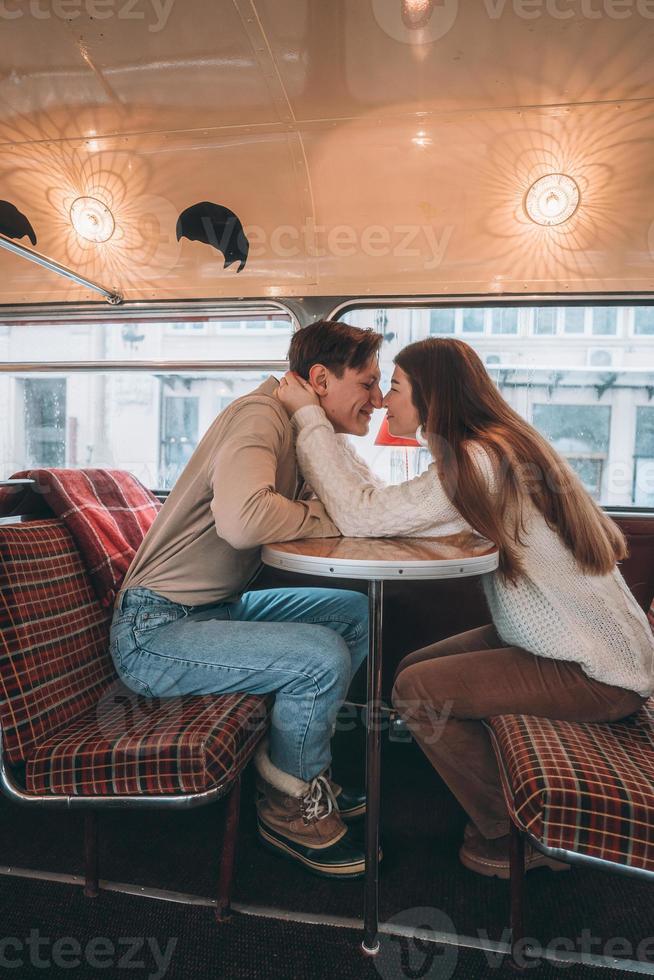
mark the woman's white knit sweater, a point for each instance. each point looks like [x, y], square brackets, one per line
[555, 610]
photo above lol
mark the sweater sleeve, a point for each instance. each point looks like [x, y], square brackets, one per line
[248, 511]
[359, 505]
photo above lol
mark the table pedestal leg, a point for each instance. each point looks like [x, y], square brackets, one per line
[370, 942]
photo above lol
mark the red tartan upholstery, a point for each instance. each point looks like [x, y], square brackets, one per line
[108, 513]
[587, 788]
[63, 710]
[129, 744]
[54, 663]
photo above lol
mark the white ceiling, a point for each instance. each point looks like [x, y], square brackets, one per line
[362, 157]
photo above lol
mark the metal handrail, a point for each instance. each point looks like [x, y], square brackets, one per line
[112, 296]
[165, 367]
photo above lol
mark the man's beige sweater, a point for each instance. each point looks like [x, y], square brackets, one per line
[235, 494]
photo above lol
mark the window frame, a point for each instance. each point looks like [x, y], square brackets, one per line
[624, 331]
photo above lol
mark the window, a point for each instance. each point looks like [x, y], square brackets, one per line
[644, 320]
[545, 321]
[504, 321]
[600, 358]
[580, 433]
[473, 321]
[643, 487]
[189, 327]
[591, 383]
[604, 321]
[45, 422]
[103, 410]
[179, 435]
[573, 319]
[441, 321]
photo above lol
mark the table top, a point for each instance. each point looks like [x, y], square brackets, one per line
[454, 556]
[16, 483]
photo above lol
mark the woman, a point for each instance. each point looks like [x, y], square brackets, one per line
[567, 641]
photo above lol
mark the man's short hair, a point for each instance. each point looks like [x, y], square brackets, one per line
[332, 343]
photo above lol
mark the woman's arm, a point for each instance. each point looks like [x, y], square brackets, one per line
[360, 507]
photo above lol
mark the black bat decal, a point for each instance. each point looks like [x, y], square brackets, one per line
[14, 224]
[215, 225]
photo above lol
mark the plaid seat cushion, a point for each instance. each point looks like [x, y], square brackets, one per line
[588, 788]
[54, 661]
[129, 744]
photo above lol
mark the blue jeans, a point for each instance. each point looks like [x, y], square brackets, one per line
[304, 645]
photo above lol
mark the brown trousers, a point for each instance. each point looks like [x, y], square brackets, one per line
[443, 690]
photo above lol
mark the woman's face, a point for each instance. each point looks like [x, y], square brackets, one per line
[402, 414]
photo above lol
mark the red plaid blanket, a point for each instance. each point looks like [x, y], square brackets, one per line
[107, 513]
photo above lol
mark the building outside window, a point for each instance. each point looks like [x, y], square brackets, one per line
[643, 488]
[604, 321]
[441, 321]
[45, 422]
[580, 433]
[473, 321]
[574, 319]
[644, 320]
[504, 320]
[545, 320]
[179, 434]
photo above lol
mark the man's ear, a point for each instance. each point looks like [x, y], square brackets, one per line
[318, 376]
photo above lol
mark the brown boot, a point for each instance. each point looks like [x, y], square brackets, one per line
[300, 820]
[491, 857]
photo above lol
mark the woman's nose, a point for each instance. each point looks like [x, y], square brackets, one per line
[385, 400]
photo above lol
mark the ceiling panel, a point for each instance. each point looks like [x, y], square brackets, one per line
[190, 66]
[359, 57]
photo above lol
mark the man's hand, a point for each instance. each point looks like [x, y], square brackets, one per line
[294, 393]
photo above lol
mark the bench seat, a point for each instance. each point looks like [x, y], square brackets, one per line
[585, 788]
[129, 744]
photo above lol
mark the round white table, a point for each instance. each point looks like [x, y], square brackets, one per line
[378, 560]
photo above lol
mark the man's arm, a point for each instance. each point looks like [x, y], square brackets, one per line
[247, 509]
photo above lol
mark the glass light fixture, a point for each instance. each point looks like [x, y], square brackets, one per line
[552, 199]
[416, 13]
[421, 138]
[92, 219]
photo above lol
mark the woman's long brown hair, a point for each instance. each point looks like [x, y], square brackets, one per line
[459, 405]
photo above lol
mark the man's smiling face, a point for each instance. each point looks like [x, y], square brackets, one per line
[350, 400]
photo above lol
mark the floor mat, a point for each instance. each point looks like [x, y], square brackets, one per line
[421, 830]
[52, 930]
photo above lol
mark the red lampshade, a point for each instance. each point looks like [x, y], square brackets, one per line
[384, 438]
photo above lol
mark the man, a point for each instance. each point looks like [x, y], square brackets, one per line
[186, 624]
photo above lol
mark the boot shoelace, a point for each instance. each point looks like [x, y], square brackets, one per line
[319, 801]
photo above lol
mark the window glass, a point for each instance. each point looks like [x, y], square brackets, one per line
[604, 320]
[206, 339]
[644, 320]
[504, 321]
[441, 321]
[573, 319]
[545, 320]
[580, 433]
[643, 485]
[583, 397]
[121, 415]
[473, 321]
[45, 421]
